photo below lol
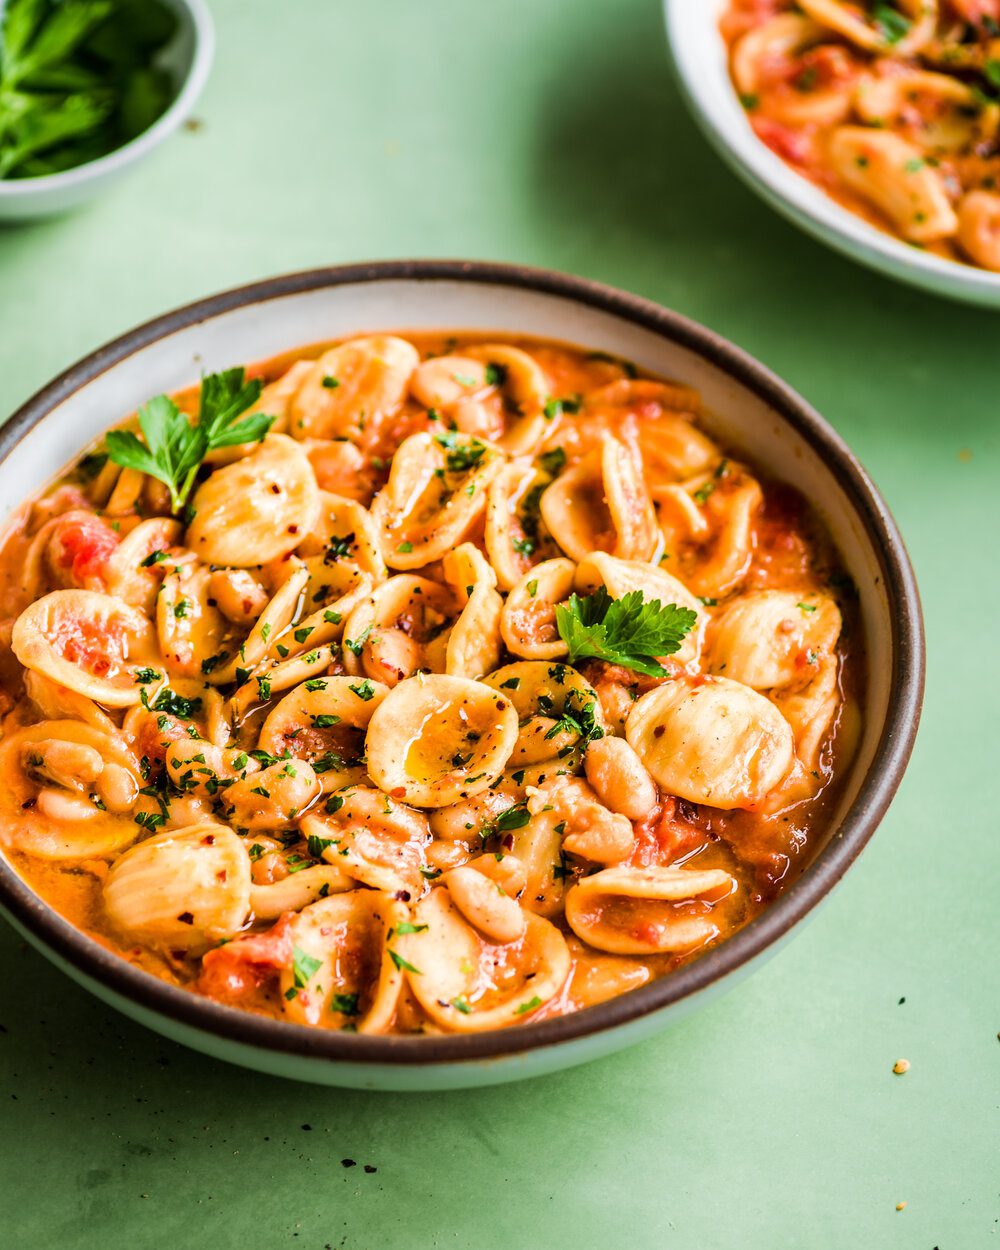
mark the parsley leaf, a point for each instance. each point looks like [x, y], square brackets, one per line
[628, 631]
[891, 24]
[174, 447]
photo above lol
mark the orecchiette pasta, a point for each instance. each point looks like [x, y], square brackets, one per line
[892, 109]
[460, 684]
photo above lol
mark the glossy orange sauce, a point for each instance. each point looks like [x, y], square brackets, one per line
[763, 853]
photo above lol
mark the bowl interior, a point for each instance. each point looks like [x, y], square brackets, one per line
[742, 418]
[699, 55]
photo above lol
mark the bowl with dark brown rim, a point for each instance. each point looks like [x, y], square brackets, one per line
[749, 409]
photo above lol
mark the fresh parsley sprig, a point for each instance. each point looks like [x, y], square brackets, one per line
[629, 631]
[175, 447]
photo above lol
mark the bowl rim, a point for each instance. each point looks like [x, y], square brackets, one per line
[109, 970]
[203, 52]
[794, 196]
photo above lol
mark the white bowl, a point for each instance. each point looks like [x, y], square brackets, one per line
[747, 408]
[188, 59]
[699, 55]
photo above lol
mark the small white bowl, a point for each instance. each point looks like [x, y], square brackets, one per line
[699, 55]
[188, 58]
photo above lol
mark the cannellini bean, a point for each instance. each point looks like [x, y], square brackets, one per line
[619, 777]
[272, 797]
[117, 788]
[588, 828]
[485, 904]
[69, 764]
[197, 767]
[60, 805]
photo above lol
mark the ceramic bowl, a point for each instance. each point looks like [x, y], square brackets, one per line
[188, 58]
[699, 57]
[751, 411]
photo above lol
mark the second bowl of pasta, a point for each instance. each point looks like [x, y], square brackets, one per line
[873, 128]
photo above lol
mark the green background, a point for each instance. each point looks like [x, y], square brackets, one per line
[550, 132]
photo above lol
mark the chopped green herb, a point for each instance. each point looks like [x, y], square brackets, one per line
[629, 631]
[175, 448]
[530, 1005]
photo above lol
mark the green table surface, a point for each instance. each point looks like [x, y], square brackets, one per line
[550, 132]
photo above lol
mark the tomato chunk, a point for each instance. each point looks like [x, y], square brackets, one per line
[240, 968]
[79, 550]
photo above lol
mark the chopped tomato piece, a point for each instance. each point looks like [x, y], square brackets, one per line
[241, 967]
[79, 550]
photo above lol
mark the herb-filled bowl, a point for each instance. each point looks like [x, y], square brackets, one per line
[97, 91]
[477, 670]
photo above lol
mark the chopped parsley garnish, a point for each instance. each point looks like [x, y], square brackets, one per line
[461, 456]
[364, 690]
[315, 683]
[175, 447]
[577, 717]
[143, 676]
[496, 375]
[553, 462]
[407, 927]
[346, 1004]
[461, 1004]
[401, 963]
[154, 557]
[530, 1005]
[330, 382]
[177, 705]
[405, 548]
[629, 631]
[890, 23]
[304, 966]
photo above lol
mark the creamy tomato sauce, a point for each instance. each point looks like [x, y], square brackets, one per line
[478, 686]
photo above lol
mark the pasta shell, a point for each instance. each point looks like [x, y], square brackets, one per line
[184, 889]
[90, 642]
[772, 639]
[274, 797]
[257, 509]
[734, 516]
[437, 489]
[298, 890]
[352, 388]
[553, 703]
[647, 911]
[129, 577]
[485, 904]
[421, 610]
[374, 839]
[345, 533]
[474, 642]
[468, 984]
[528, 620]
[711, 741]
[324, 721]
[779, 38]
[189, 625]
[890, 173]
[621, 577]
[603, 504]
[866, 32]
[342, 972]
[272, 677]
[516, 539]
[979, 228]
[435, 740]
[526, 392]
[810, 711]
[57, 776]
[282, 610]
